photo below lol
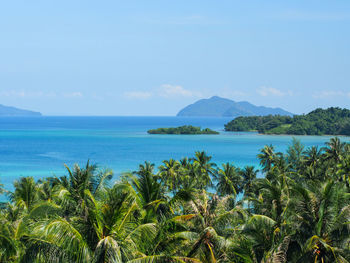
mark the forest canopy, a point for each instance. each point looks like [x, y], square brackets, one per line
[295, 209]
[331, 121]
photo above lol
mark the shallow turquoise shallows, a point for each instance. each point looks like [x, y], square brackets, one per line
[40, 146]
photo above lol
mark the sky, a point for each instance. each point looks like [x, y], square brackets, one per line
[155, 57]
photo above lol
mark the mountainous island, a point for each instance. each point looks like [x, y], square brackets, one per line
[186, 129]
[221, 107]
[331, 121]
[6, 111]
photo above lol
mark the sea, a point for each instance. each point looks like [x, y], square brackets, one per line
[40, 146]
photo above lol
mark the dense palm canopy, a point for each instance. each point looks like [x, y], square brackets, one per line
[295, 209]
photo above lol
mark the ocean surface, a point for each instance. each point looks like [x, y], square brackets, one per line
[40, 146]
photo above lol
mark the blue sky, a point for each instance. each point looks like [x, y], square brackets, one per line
[155, 57]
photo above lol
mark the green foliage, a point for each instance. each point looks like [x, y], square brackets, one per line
[296, 209]
[332, 121]
[186, 129]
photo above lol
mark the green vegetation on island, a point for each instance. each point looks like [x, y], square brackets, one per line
[296, 210]
[186, 129]
[331, 121]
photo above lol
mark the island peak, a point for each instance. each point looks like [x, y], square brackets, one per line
[216, 106]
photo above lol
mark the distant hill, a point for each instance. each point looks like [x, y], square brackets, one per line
[12, 111]
[221, 107]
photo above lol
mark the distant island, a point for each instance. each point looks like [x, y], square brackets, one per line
[186, 129]
[6, 111]
[331, 121]
[221, 107]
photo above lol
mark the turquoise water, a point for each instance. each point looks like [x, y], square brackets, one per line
[40, 146]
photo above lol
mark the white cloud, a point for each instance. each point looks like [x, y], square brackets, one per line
[268, 91]
[171, 91]
[75, 94]
[165, 91]
[330, 93]
[26, 94]
[138, 94]
[39, 94]
[12, 93]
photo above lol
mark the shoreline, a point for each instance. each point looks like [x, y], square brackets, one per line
[304, 135]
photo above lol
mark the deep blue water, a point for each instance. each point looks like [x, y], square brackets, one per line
[40, 146]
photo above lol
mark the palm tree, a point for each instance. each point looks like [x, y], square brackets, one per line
[258, 237]
[273, 198]
[248, 174]
[148, 189]
[215, 219]
[267, 234]
[295, 155]
[73, 190]
[169, 173]
[10, 246]
[343, 172]
[322, 213]
[46, 191]
[190, 172]
[115, 235]
[312, 156]
[267, 157]
[334, 149]
[280, 166]
[2, 190]
[88, 178]
[206, 168]
[120, 236]
[146, 184]
[25, 194]
[229, 181]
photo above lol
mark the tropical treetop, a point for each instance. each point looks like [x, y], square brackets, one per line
[295, 208]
